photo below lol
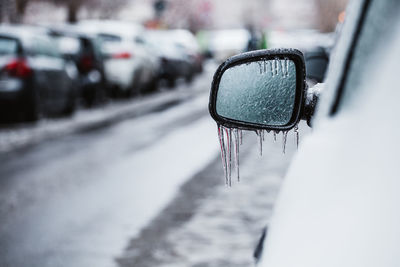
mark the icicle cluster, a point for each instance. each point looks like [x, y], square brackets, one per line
[229, 137]
[275, 67]
[230, 140]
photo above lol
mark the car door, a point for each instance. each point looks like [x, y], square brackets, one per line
[338, 204]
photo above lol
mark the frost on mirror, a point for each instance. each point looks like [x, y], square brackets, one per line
[261, 92]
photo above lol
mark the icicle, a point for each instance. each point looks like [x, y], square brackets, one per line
[223, 151]
[265, 66]
[296, 134]
[263, 135]
[275, 133]
[272, 64]
[259, 133]
[229, 154]
[276, 66]
[260, 65]
[284, 137]
[287, 67]
[241, 137]
[236, 133]
[282, 62]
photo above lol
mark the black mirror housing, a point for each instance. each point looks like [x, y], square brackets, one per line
[275, 59]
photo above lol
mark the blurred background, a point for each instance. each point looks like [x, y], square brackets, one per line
[108, 156]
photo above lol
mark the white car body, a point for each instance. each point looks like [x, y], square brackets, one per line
[130, 63]
[339, 204]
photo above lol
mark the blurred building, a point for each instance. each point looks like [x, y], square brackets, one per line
[190, 14]
[218, 14]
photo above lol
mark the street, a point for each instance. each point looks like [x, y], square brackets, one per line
[137, 183]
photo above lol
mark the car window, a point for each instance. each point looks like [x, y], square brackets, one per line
[380, 15]
[109, 38]
[8, 46]
[68, 45]
[45, 47]
[96, 47]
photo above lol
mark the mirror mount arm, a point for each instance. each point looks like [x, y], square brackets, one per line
[312, 99]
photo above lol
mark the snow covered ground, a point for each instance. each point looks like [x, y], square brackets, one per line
[20, 135]
[222, 225]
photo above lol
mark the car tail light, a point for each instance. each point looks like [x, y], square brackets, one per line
[123, 55]
[86, 63]
[18, 68]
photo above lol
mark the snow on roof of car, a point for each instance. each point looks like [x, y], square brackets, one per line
[122, 28]
[23, 32]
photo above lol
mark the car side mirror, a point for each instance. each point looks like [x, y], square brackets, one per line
[259, 90]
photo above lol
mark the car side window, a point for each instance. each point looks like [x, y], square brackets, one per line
[45, 47]
[380, 21]
[8, 46]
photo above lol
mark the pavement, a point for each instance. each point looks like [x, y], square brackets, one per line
[210, 224]
[15, 136]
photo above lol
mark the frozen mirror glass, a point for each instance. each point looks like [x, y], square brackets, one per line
[261, 92]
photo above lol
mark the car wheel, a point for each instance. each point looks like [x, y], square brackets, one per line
[89, 96]
[171, 82]
[153, 86]
[70, 106]
[33, 110]
[189, 78]
[135, 89]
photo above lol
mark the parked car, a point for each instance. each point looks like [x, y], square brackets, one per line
[338, 205]
[191, 47]
[33, 77]
[83, 49]
[228, 42]
[130, 67]
[175, 61]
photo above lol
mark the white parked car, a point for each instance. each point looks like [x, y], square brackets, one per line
[225, 43]
[338, 205]
[191, 47]
[173, 53]
[130, 66]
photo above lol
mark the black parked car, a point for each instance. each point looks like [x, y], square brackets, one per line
[175, 62]
[84, 50]
[33, 76]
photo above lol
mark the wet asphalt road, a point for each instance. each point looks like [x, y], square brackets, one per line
[88, 198]
[76, 199]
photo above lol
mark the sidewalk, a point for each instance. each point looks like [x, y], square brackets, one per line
[25, 134]
[210, 224]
